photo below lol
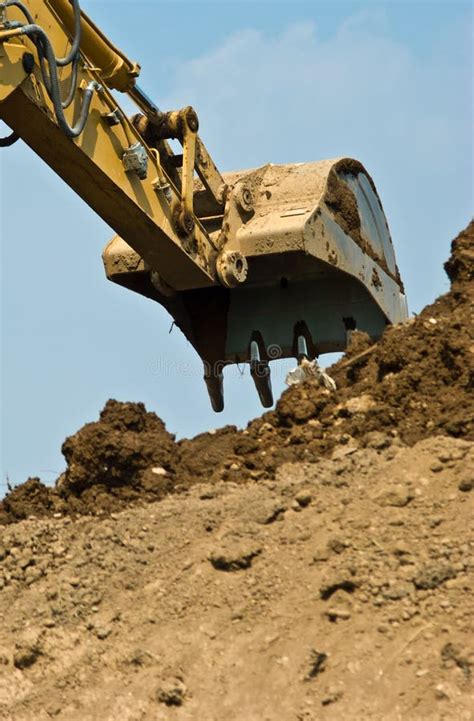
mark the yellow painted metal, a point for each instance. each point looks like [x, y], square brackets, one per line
[12, 72]
[189, 155]
[116, 70]
[92, 164]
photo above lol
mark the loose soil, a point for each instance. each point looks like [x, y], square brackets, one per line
[312, 566]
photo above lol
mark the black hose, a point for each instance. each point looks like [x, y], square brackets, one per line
[41, 40]
[50, 75]
[20, 6]
[9, 140]
[72, 54]
[73, 85]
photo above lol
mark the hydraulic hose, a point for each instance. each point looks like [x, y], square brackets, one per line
[9, 140]
[73, 86]
[20, 6]
[72, 56]
[41, 40]
[76, 43]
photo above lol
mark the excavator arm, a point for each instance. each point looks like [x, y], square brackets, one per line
[95, 148]
[278, 261]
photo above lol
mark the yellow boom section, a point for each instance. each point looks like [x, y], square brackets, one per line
[108, 164]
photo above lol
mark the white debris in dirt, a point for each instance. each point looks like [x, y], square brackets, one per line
[159, 471]
[308, 370]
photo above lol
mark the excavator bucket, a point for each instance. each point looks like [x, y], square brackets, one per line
[274, 262]
[315, 244]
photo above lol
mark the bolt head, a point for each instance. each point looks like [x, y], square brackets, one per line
[244, 198]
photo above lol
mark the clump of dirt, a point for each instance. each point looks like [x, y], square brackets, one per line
[416, 382]
[29, 498]
[460, 266]
[343, 203]
[125, 452]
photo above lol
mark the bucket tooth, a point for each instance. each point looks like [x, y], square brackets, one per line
[260, 372]
[215, 387]
[302, 348]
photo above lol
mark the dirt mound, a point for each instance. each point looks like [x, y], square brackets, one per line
[340, 589]
[415, 383]
[315, 566]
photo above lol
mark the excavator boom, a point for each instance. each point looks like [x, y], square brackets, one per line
[254, 265]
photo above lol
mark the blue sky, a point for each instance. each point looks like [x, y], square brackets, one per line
[387, 83]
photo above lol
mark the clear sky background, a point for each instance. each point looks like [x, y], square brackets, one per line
[389, 83]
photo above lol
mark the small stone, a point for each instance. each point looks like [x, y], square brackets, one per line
[206, 493]
[395, 592]
[321, 554]
[32, 574]
[27, 652]
[337, 581]
[303, 498]
[436, 467]
[102, 632]
[54, 709]
[337, 545]
[441, 692]
[172, 692]
[234, 556]
[466, 483]
[159, 471]
[332, 696]
[378, 440]
[433, 575]
[267, 512]
[396, 495]
[401, 548]
[317, 663]
[338, 614]
[25, 561]
[359, 405]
